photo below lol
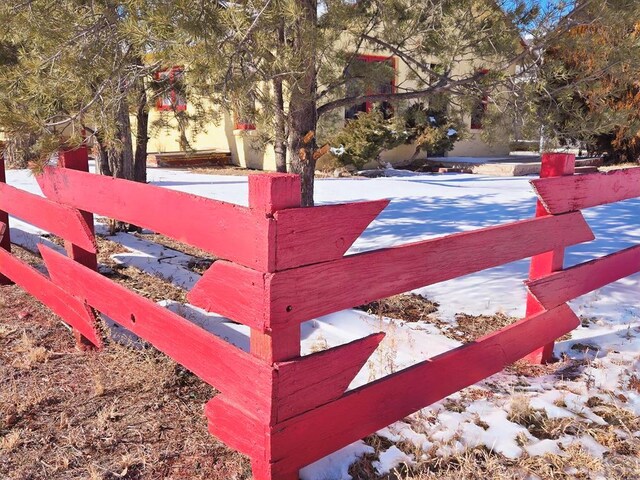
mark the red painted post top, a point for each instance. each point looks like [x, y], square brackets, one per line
[553, 165]
[76, 159]
[557, 165]
[271, 192]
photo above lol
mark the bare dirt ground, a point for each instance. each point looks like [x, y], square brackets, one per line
[126, 413]
[117, 414]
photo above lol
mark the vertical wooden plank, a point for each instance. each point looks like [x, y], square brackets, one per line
[5, 241]
[78, 159]
[553, 165]
[267, 194]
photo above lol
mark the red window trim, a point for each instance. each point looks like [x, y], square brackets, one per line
[484, 102]
[160, 105]
[380, 58]
[239, 124]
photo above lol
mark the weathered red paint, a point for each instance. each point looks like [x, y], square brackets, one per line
[223, 229]
[58, 219]
[69, 308]
[5, 241]
[553, 165]
[567, 194]
[284, 265]
[215, 361]
[560, 287]
[300, 294]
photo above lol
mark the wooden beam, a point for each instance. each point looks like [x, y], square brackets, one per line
[223, 229]
[378, 404]
[313, 380]
[568, 194]
[63, 221]
[320, 234]
[70, 309]
[5, 241]
[560, 287]
[236, 373]
[301, 294]
[553, 165]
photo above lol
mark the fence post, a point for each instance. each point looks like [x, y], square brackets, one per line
[269, 193]
[78, 159]
[5, 242]
[553, 165]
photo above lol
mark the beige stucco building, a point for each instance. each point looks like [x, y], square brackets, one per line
[243, 143]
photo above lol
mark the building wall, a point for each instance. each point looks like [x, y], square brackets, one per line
[247, 152]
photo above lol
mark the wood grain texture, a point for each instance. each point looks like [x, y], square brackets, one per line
[376, 405]
[70, 309]
[320, 378]
[223, 229]
[568, 194]
[78, 159]
[271, 192]
[553, 165]
[5, 241]
[60, 220]
[560, 287]
[230, 424]
[308, 292]
[231, 370]
[312, 235]
[237, 292]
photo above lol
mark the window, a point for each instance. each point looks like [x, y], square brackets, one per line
[479, 110]
[170, 89]
[382, 68]
[241, 123]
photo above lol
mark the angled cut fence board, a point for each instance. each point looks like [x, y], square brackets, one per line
[567, 194]
[329, 230]
[376, 405]
[223, 229]
[301, 294]
[58, 219]
[215, 361]
[233, 291]
[283, 265]
[72, 310]
[320, 378]
[560, 287]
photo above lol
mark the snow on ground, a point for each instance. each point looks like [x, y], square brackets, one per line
[426, 206]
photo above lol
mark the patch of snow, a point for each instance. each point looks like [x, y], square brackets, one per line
[390, 459]
[336, 466]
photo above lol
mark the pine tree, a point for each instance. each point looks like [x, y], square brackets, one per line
[588, 89]
[72, 70]
[294, 63]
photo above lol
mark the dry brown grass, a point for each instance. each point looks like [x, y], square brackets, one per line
[202, 260]
[119, 413]
[406, 307]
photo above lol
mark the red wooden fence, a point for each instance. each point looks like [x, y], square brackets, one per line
[284, 265]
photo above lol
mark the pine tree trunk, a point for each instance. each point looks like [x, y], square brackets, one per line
[121, 157]
[280, 147]
[102, 162]
[142, 135]
[302, 107]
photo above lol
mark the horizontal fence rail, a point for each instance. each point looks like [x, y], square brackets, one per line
[281, 265]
